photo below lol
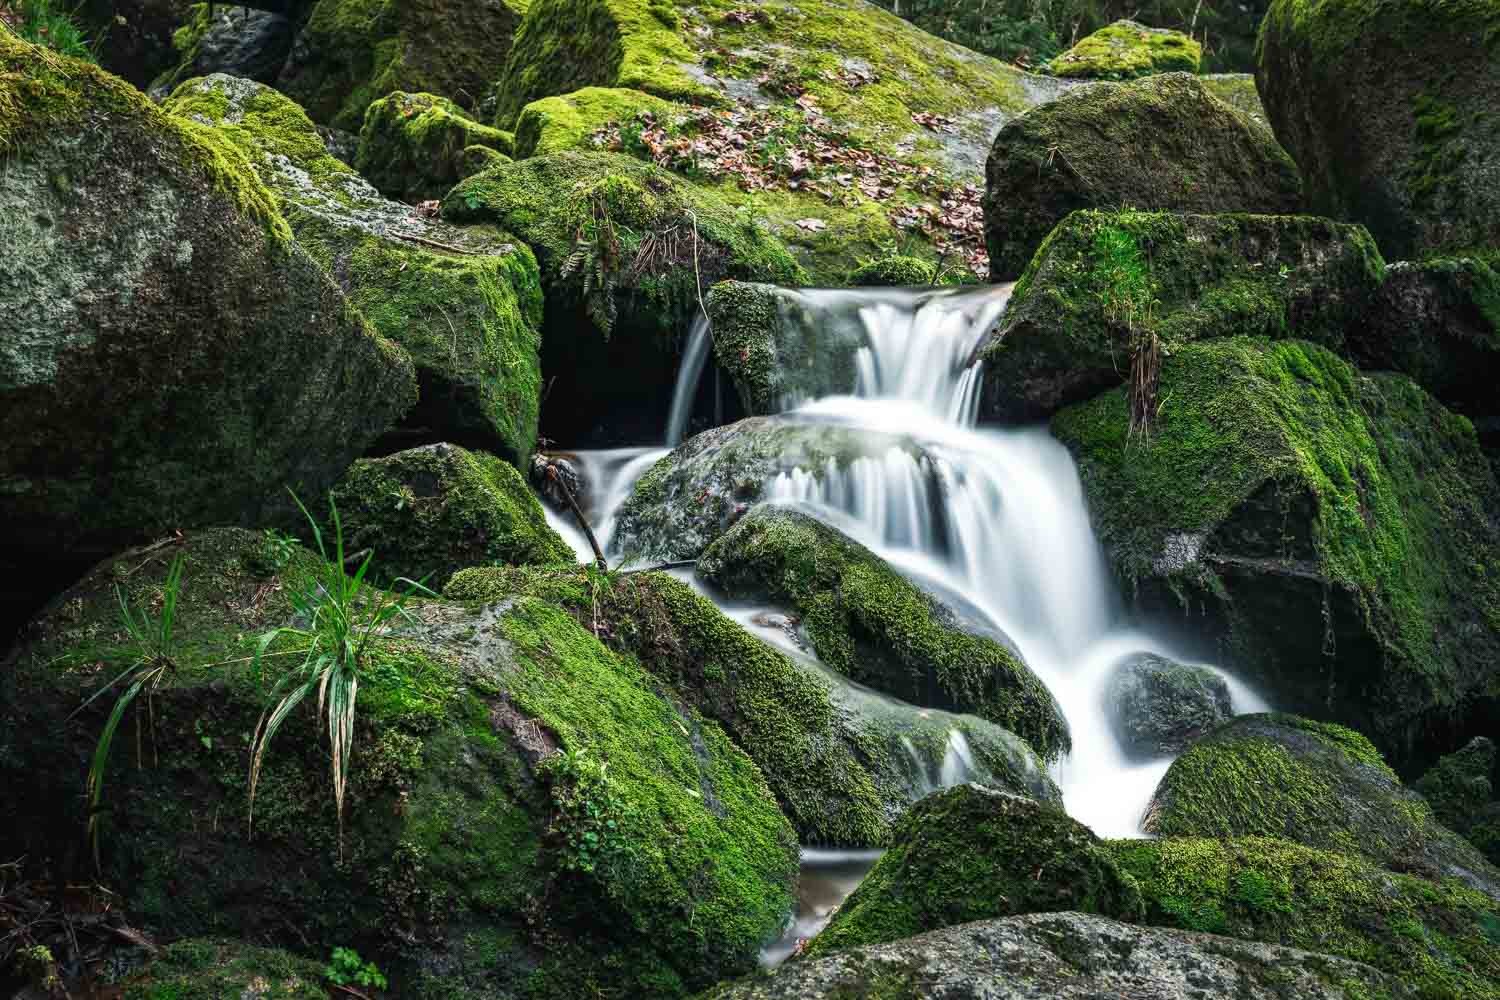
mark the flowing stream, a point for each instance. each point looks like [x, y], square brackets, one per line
[995, 520]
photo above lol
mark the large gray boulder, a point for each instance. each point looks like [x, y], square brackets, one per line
[1159, 706]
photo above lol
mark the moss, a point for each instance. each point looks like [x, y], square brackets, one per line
[870, 624]
[1348, 509]
[412, 146]
[1125, 49]
[1440, 938]
[211, 968]
[898, 270]
[970, 853]
[569, 121]
[1461, 790]
[1238, 91]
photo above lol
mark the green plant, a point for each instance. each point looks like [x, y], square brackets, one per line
[342, 618]
[274, 553]
[43, 22]
[589, 812]
[597, 256]
[346, 969]
[1128, 298]
[149, 654]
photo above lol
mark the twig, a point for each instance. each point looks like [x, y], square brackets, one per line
[350, 990]
[679, 564]
[583, 522]
[698, 277]
[434, 243]
[355, 557]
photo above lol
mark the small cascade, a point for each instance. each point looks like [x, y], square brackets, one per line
[958, 761]
[694, 359]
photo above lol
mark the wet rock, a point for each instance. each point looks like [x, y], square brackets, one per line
[235, 41]
[553, 473]
[1163, 144]
[1159, 706]
[1125, 50]
[1314, 783]
[1461, 790]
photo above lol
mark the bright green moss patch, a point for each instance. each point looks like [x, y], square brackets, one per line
[871, 625]
[897, 270]
[1439, 937]
[1125, 49]
[412, 145]
[569, 121]
[213, 968]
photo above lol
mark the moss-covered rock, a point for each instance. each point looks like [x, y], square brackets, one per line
[1125, 50]
[528, 812]
[1332, 532]
[1388, 107]
[972, 853]
[350, 53]
[1102, 277]
[1159, 706]
[236, 41]
[1069, 956]
[1438, 938]
[872, 625]
[465, 302]
[429, 512]
[569, 121]
[214, 968]
[1165, 143]
[1314, 783]
[412, 146]
[1461, 790]
[895, 270]
[843, 764]
[1238, 91]
[623, 246]
[168, 357]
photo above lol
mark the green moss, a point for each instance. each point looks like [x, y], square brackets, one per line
[212, 968]
[1125, 49]
[970, 853]
[1440, 938]
[412, 145]
[569, 121]
[898, 270]
[870, 624]
[1461, 790]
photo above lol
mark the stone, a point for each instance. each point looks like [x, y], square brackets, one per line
[1159, 706]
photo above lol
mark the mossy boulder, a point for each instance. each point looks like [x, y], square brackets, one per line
[429, 512]
[350, 53]
[1314, 783]
[1102, 277]
[623, 246]
[693, 495]
[869, 623]
[1331, 533]
[1438, 938]
[568, 121]
[1069, 956]
[413, 146]
[465, 302]
[528, 812]
[895, 270]
[1461, 790]
[168, 356]
[973, 853]
[1159, 706]
[1125, 50]
[1389, 110]
[1238, 91]
[843, 764]
[1162, 144]
[235, 41]
[214, 968]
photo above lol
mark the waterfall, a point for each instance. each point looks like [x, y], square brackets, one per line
[694, 358]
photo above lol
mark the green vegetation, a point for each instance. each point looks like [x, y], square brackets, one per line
[214, 968]
[412, 146]
[347, 969]
[1461, 790]
[1125, 49]
[49, 24]
[569, 121]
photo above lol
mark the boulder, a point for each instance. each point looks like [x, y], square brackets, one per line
[1161, 144]
[1262, 889]
[350, 53]
[1125, 50]
[465, 302]
[874, 626]
[1461, 790]
[235, 41]
[429, 512]
[569, 121]
[843, 764]
[1103, 277]
[1386, 107]
[972, 853]
[623, 247]
[1159, 706]
[413, 146]
[1313, 783]
[168, 356]
[1238, 91]
[1331, 534]
[503, 757]
[896, 271]
[1068, 956]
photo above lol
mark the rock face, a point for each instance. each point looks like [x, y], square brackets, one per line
[870, 624]
[843, 763]
[1125, 50]
[1386, 109]
[1159, 706]
[1068, 956]
[465, 302]
[429, 512]
[1461, 790]
[1066, 333]
[972, 853]
[413, 146]
[1164, 143]
[1314, 783]
[351, 53]
[1337, 542]
[235, 41]
[168, 357]
[479, 785]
